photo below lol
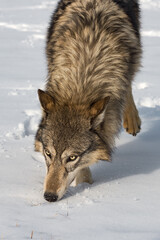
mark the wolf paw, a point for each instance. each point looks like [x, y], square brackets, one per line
[132, 121]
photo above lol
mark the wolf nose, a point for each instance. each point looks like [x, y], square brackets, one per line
[50, 197]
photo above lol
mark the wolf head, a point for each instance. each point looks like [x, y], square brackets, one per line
[70, 141]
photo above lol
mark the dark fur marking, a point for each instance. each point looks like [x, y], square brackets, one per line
[131, 8]
[62, 5]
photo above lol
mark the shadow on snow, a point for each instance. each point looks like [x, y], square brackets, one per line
[141, 156]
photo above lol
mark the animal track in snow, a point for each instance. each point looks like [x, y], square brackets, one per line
[28, 127]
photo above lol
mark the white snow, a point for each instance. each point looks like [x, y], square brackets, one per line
[141, 85]
[124, 201]
[151, 33]
[150, 102]
[23, 27]
[149, 4]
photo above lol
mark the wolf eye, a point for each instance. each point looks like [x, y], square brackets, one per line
[72, 158]
[47, 153]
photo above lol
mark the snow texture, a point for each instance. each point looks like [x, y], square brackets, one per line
[124, 201]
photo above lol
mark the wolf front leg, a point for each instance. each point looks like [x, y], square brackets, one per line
[38, 147]
[84, 175]
[131, 119]
[37, 144]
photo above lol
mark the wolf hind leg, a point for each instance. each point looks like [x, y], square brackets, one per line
[84, 175]
[131, 119]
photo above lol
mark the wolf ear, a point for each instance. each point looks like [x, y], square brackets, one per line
[98, 107]
[46, 100]
[97, 111]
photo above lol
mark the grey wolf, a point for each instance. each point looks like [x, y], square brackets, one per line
[93, 52]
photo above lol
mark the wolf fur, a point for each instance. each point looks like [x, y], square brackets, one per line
[93, 52]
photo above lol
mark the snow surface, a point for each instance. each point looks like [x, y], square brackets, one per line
[124, 201]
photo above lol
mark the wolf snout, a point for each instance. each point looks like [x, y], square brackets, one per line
[50, 197]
